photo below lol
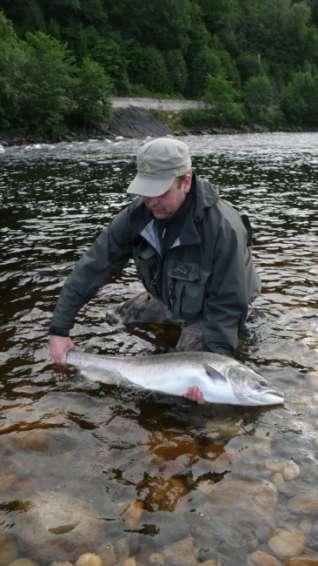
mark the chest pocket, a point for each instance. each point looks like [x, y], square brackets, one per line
[147, 264]
[186, 288]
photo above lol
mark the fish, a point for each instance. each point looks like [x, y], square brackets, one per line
[222, 379]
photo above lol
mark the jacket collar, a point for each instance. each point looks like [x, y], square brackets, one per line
[206, 196]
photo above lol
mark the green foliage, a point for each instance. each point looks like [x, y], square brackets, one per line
[147, 67]
[177, 70]
[12, 76]
[50, 81]
[92, 95]
[258, 95]
[300, 99]
[111, 55]
[254, 60]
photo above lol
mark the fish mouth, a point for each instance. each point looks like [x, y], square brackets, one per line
[269, 397]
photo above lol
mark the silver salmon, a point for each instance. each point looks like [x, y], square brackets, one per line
[220, 378]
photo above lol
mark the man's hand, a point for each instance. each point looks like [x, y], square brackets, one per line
[195, 394]
[59, 346]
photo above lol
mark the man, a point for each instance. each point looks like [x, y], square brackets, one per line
[191, 250]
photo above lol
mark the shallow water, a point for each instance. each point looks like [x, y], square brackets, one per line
[110, 471]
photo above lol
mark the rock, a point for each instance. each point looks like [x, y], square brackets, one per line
[61, 563]
[288, 468]
[6, 481]
[129, 562]
[305, 560]
[278, 480]
[305, 503]
[233, 518]
[260, 558]
[181, 552]
[56, 523]
[23, 562]
[89, 559]
[132, 514]
[135, 122]
[157, 559]
[36, 440]
[290, 471]
[287, 543]
[107, 554]
[210, 563]
[8, 550]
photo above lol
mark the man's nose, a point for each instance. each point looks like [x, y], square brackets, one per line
[152, 201]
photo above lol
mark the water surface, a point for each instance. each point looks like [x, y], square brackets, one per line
[101, 469]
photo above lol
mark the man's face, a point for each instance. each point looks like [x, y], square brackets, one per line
[166, 205]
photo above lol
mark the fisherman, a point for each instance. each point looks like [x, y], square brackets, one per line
[192, 251]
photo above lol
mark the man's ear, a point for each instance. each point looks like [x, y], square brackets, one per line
[187, 182]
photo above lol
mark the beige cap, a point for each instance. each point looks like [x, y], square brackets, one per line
[159, 162]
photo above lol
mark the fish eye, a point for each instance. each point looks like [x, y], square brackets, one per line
[263, 382]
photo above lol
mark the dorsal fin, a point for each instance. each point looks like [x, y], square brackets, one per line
[214, 373]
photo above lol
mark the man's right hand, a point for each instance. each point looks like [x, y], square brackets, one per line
[59, 346]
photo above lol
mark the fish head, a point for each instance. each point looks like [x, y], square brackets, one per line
[252, 389]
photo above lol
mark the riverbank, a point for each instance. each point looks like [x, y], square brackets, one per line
[142, 117]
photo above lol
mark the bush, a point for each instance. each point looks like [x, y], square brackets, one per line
[258, 95]
[300, 99]
[92, 93]
[147, 67]
[12, 74]
[50, 80]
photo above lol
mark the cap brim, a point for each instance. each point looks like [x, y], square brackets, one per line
[147, 186]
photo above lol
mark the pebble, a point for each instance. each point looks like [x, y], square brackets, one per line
[290, 471]
[181, 552]
[132, 514]
[37, 440]
[89, 559]
[260, 558]
[107, 554]
[6, 481]
[210, 563]
[157, 559]
[288, 468]
[61, 563]
[278, 480]
[287, 543]
[8, 550]
[305, 560]
[23, 562]
[129, 562]
[305, 503]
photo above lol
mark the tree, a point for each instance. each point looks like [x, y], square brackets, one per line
[50, 76]
[92, 95]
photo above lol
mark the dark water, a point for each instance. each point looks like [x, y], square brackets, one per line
[100, 469]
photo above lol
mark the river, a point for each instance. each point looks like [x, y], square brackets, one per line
[142, 477]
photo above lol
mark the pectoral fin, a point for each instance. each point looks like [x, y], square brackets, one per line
[214, 374]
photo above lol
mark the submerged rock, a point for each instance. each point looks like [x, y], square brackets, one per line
[89, 559]
[181, 552]
[306, 503]
[287, 543]
[8, 550]
[260, 558]
[57, 525]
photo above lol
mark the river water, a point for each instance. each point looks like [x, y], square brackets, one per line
[126, 474]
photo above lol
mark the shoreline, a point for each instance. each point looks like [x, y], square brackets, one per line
[134, 121]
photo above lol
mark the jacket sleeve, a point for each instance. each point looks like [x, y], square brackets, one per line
[107, 255]
[227, 292]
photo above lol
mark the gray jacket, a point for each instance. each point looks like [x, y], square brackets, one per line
[207, 274]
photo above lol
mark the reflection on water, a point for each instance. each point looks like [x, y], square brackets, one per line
[104, 470]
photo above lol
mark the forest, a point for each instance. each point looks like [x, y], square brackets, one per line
[255, 62]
